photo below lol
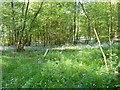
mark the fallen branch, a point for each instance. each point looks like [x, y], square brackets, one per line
[45, 53]
[40, 61]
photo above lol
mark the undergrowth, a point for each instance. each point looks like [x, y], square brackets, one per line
[63, 67]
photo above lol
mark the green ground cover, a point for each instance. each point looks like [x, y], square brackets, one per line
[63, 67]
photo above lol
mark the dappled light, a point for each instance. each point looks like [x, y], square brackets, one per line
[60, 44]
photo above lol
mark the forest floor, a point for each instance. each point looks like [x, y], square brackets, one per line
[63, 67]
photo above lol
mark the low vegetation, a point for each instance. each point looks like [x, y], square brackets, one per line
[62, 67]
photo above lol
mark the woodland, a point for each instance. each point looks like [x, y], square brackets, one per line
[60, 44]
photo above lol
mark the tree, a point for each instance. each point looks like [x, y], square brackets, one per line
[55, 23]
[95, 31]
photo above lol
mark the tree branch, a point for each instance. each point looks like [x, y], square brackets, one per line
[96, 34]
[25, 16]
[35, 16]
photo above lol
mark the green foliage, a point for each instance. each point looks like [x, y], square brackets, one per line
[63, 67]
[55, 21]
[58, 23]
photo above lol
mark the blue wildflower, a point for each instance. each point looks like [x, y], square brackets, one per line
[61, 75]
[65, 82]
[50, 81]
[55, 68]
[6, 84]
[50, 69]
[20, 84]
[39, 62]
[80, 80]
[23, 77]
[74, 65]
[79, 72]
[9, 81]
[2, 81]
[80, 85]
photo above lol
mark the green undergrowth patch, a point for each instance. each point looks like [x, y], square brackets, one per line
[63, 67]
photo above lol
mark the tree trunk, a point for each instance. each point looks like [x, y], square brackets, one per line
[31, 24]
[96, 34]
[21, 39]
[20, 46]
[74, 27]
[118, 17]
[110, 30]
[14, 36]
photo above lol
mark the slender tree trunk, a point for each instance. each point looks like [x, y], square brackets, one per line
[74, 27]
[9, 43]
[110, 30]
[118, 17]
[110, 41]
[44, 38]
[14, 36]
[96, 34]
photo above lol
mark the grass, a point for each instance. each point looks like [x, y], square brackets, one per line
[63, 67]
